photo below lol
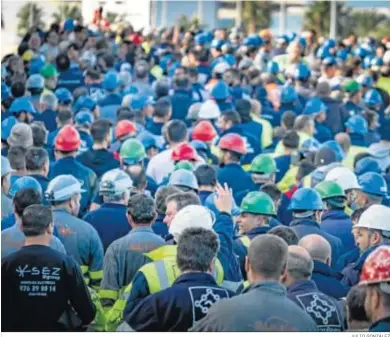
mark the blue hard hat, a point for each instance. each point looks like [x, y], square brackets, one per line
[331, 43]
[365, 80]
[314, 106]
[342, 54]
[322, 53]
[22, 104]
[329, 61]
[283, 39]
[360, 52]
[291, 36]
[367, 61]
[148, 140]
[69, 24]
[139, 102]
[209, 203]
[332, 144]
[84, 117]
[36, 64]
[229, 58]
[272, 67]
[373, 183]
[253, 40]
[209, 36]
[200, 39]
[35, 81]
[301, 41]
[6, 127]
[306, 199]
[23, 183]
[111, 81]
[309, 145]
[357, 124]
[367, 164]
[198, 145]
[220, 90]
[84, 102]
[217, 43]
[376, 62]
[183, 178]
[302, 72]
[5, 92]
[288, 94]
[372, 98]
[64, 96]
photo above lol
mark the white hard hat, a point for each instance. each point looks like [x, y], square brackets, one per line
[344, 177]
[209, 110]
[221, 67]
[375, 217]
[115, 182]
[63, 187]
[191, 216]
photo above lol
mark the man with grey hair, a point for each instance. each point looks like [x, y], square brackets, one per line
[178, 201]
[126, 255]
[324, 277]
[48, 104]
[264, 305]
[324, 310]
[189, 299]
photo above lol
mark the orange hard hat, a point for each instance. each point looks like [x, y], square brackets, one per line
[124, 128]
[376, 268]
[233, 142]
[68, 139]
[204, 131]
[184, 152]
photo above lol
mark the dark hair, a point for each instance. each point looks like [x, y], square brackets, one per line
[141, 208]
[291, 140]
[162, 108]
[305, 168]
[302, 121]
[355, 216]
[176, 131]
[109, 59]
[272, 190]
[370, 116]
[18, 89]
[62, 62]
[206, 175]
[196, 249]
[16, 157]
[36, 157]
[36, 219]
[192, 72]
[78, 92]
[64, 116]
[232, 116]
[288, 119]
[39, 133]
[161, 89]
[163, 192]
[286, 233]
[244, 107]
[125, 112]
[355, 304]
[138, 176]
[25, 198]
[100, 129]
[183, 199]
[359, 157]
[181, 81]
[92, 73]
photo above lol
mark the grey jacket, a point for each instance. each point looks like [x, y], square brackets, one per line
[263, 306]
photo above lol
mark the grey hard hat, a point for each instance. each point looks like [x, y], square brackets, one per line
[115, 182]
[193, 111]
[183, 178]
[63, 187]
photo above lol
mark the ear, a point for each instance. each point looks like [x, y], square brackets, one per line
[130, 219]
[50, 229]
[328, 261]
[247, 265]
[212, 265]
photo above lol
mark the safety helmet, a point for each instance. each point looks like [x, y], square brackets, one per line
[25, 182]
[373, 183]
[376, 269]
[375, 217]
[209, 110]
[367, 164]
[125, 128]
[63, 187]
[357, 124]
[184, 152]
[184, 165]
[210, 204]
[329, 190]
[365, 80]
[360, 52]
[84, 102]
[322, 53]
[367, 61]
[263, 164]
[69, 24]
[302, 72]
[233, 142]
[342, 54]
[35, 81]
[258, 203]
[200, 39]
[351, 86]
[49, 71]
[111, 81]
[204, 131]
[216, 44]
[22, 104]
[330, 43]
[272, 67]
[253, 40]
[301, 41]
[115, 182]
[37, 62]
[329, 61]
[376, 62]
[221, 67]
[183, 178]
[220, 90]
[139, 102]
[6, 127]
[84, 118]
[344, 177]
[372, 98]
[148, 140]
[68, 139]
[288, 94]
[332, 144]
[309, 145]
[132, 151]
[64, 96]
[314, 106]
[5, 166]
[306, 199]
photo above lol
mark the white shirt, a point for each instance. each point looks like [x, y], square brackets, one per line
[160, 166]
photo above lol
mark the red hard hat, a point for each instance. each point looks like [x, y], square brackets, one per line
[68, 139]
[124, 128]
[184, 152]
[204, 131]
[376, 268]
[233, 142]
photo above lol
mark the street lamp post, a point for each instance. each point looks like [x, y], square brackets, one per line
[200, 11]
[333, 19]
[238, 13]
[164, 13]
[282, 18]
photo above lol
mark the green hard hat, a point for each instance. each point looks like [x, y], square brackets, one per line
[49, 71]
[132, 151]
[258, 203]
[329, 189]
[351, 86]
[263, 163]
[185, 165]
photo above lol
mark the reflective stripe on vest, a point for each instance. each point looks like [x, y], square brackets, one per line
[245, 241]
[99, 322]
[289, 179]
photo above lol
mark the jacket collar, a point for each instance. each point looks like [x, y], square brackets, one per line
[322, 268]
[112, 205]
[304, 222]
[203, 278]
[160, 217]
[142, 230]
[271, 286]
[258, 230]
[39, 177]
[304, 285]
[385, 320]
[335, 214]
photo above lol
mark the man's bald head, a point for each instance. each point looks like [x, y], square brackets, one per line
[318, 247]
[299, 264]
[267, 258]
[344, 141]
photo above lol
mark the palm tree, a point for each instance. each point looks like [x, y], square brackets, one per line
[30, 15]
[68, 10]
[257, 14]
[369, 22]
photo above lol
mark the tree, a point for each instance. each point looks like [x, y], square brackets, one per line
[111, 16]
[370, 22]
[30, 15]
[317, 17]
[68, 10]
[257, 14]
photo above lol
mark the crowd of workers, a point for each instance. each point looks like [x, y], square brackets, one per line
[146, 176]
